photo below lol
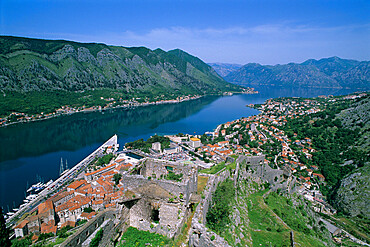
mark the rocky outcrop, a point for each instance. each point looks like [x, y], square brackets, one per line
[354, 192]
[357, 117]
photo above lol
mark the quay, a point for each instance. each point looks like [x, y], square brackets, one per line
[62, 180]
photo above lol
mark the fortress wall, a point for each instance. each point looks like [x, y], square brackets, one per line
[199, 234]
[84, 232]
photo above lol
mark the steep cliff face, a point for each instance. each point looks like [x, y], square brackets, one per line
[354, 192]
[331, 72]
[33, 64]
[357, 117]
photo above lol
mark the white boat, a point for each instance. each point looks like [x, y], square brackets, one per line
[48, 183]
[10, 213]
[26, 201]
[32, 196]
[33, 187]
[15, 209]
[64, 172]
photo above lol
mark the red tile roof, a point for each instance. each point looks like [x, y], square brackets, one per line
[100, 170]
[77, 184]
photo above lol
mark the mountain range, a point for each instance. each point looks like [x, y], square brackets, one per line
[223, 69]
[35, 65]
[332, 72]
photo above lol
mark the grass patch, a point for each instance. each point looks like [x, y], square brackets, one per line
[95, 241]
[214, 169]
[296, 218]
[135, 238]
[306, 240]
[260, 215]
[264, 238]
[264, 227]
[202, 182]
[174, 177]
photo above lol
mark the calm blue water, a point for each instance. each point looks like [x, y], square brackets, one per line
[34, 149]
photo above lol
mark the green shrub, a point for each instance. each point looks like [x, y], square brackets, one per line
[218, 214]
[133, 238]
[95, 241]
[174, 177]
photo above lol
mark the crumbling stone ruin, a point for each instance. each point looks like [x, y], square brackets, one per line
[160, 205]
[255, 166]
[152, 202]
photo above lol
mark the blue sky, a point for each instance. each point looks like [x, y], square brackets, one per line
[230, 31]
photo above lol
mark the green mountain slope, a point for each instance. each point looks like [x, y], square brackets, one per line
[331, 72]
[35, 64]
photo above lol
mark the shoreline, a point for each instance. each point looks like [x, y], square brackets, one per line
[42, 117]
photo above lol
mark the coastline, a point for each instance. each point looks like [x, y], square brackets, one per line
[66, 110]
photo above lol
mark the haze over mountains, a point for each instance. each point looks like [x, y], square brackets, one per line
[223, 69]
[332, 72]
[35, 64]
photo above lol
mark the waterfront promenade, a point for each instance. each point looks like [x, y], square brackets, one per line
[65, 178]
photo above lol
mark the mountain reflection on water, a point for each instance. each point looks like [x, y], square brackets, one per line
[82, 129]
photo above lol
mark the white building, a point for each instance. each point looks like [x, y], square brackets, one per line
[156, 146]
[195, 142]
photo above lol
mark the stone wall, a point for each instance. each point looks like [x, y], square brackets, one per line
[255, 166]
[166, 199]
[251, 160]
[199, 235]
[140, 214]
[84, 232]
[170, 216]
[186, 187]
[160, 168]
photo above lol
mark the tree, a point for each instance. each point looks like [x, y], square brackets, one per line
[88, 210]
[117, 177]
[4, 231]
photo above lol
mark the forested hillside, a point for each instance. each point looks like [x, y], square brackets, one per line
[339, 137]
[35, 64]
